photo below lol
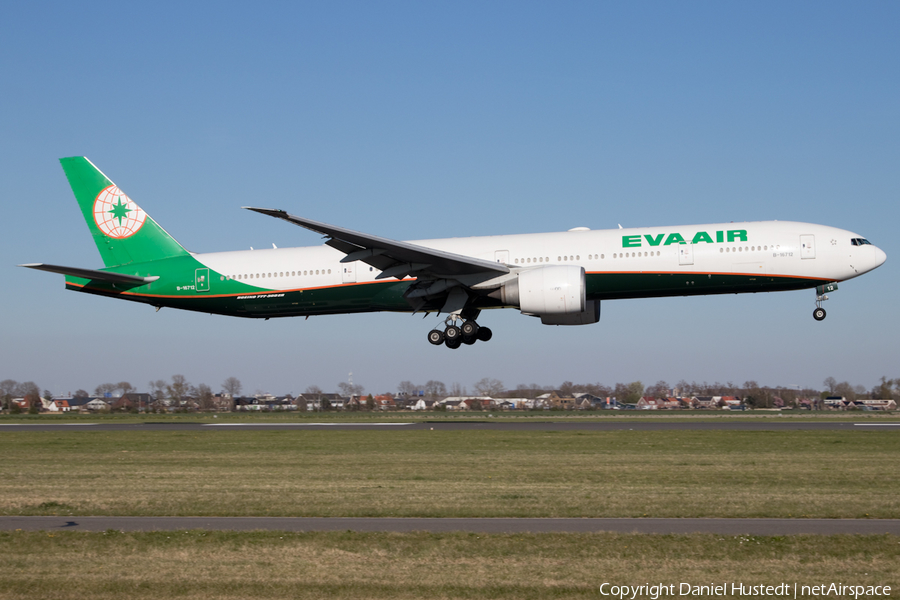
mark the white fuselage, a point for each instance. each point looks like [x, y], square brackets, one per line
[766, 248]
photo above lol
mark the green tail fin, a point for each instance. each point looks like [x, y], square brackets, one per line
[123, 232]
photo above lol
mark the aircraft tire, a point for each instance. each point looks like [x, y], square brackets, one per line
[436, 337]
[469, 340]
[484, 334]
[453, 343]
[819, 314]
[469, 329]
[452, 332]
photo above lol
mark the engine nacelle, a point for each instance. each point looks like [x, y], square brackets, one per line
[554, 293]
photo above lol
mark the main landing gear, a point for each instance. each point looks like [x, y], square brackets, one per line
[455, 335]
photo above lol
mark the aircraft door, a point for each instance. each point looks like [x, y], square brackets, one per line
[685, 254]
[807, 246]
[348, 272]
[201, 280]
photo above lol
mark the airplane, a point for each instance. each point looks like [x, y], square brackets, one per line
[559, 277]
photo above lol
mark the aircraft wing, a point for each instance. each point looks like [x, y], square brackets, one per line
[391, 257]
[92, 274]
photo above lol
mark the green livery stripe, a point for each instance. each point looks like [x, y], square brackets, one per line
[645, 284]
[178, 289]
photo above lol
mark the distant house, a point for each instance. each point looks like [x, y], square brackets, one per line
[456, 402]
[385, 402]
[96, 404]
[78, 403]
[731, 401]
[559, 402]
[474, 404]
[707, 402]
[648, 403]
[835, 402]
[877, 404]
[59, 405]
[423, 404]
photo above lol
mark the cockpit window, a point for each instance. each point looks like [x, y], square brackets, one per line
[860, 242]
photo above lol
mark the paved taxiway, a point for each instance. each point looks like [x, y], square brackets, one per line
[773, 424]
[502, 525]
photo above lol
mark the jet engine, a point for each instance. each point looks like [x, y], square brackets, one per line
[555, 293]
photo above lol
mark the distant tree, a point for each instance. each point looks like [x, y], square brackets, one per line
[104, 389]
[205, 397]
[629, 393]
[313, 392]
[79, 394]
[232, 386]
[457, 390]
[325, 404]
[884, 390]
[435, 389]
[845, 390]
[566, 389]
[489, 387]
[830, 384]
[408, 388]
[660, 389]
[7, 391]
[370, 402]
[684, 388]
[32, 395]
[179, 390]
[158, 391]
[47, 395]
[349, 389]
[123, 387]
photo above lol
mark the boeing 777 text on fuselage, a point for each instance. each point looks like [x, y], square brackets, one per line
[558, 277]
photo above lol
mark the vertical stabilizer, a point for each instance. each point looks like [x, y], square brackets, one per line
[123, 232]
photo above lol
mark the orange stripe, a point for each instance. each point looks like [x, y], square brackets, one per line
[263, 293]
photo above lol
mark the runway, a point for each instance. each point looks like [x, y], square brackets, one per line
[765, 424]
[767, 527]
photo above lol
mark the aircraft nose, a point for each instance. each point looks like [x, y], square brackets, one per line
[880, 257]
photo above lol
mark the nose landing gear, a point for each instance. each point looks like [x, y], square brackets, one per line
[455, 335]
[819, 312]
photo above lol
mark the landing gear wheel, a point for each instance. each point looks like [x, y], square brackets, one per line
[452, 333]
[484, 334]
[468, 341]
[453, 343]
[436, 337]
[819, 314]
[469, 329]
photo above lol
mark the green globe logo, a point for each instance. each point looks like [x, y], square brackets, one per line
[116, 215]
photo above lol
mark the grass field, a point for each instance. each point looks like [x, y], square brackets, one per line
[413, 416]
[203, 564]
[480, 473]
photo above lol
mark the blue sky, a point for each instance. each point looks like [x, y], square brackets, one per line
[417, 120]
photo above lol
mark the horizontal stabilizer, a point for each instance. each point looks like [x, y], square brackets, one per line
[93, 274]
